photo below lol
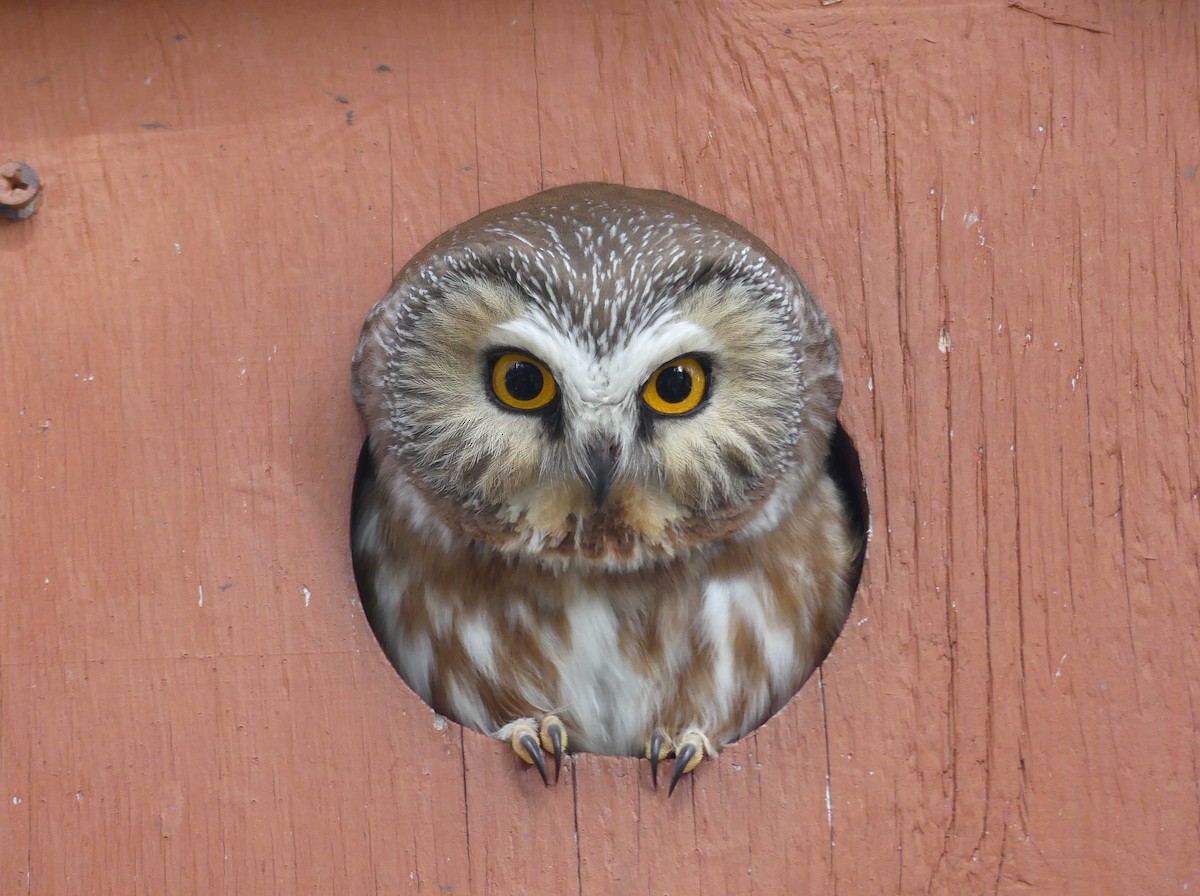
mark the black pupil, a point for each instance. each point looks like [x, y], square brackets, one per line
[523, 381]
[674, 384]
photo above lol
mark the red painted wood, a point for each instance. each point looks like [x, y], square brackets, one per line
[997, 203]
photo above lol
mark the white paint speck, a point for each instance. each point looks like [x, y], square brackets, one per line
[16, 801]
[828, 782]
[307, 595]
[870, 384]
[1058, 671]
[179, 248]
[439, 722]
[971, 218]
[945, 343]
[200, 588]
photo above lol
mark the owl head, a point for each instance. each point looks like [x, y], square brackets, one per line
[596, 376]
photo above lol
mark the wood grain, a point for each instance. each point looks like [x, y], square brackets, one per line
[998, 204]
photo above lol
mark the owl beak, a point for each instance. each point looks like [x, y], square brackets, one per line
[602, 467]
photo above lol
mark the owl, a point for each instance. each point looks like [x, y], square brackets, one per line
[595, 508]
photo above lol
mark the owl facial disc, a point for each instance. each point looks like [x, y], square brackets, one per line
[597, 376]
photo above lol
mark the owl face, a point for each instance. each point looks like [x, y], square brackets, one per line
[597, 376]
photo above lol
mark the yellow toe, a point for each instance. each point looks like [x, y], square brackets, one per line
[552, 726]
[521, 733]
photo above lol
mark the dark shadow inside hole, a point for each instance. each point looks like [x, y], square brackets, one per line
[842, 463]
[364, 481]
[845, 469]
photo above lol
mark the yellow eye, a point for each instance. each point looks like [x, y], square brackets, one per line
[522, 382]
[677, 387]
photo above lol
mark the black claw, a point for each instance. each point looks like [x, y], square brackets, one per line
[556, 742]
[682, 758]
[534, 749]
[656, 745]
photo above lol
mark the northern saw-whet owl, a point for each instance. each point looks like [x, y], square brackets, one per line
[596, 509]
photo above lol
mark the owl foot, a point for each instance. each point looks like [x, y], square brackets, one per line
[528, 741]
[689, 751]
[658, 748]
[554, 739]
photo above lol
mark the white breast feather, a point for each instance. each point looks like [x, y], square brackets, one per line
[598, 686]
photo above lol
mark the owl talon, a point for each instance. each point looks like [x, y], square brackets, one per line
[658, 747]
[533, 748]
[525, 744]
[554, 739]
[687, 756]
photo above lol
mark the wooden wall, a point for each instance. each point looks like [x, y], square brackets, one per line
[997, 202]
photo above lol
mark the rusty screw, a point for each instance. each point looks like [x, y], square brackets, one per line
[20, 190]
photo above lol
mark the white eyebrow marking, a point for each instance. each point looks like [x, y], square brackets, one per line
[611, 379]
